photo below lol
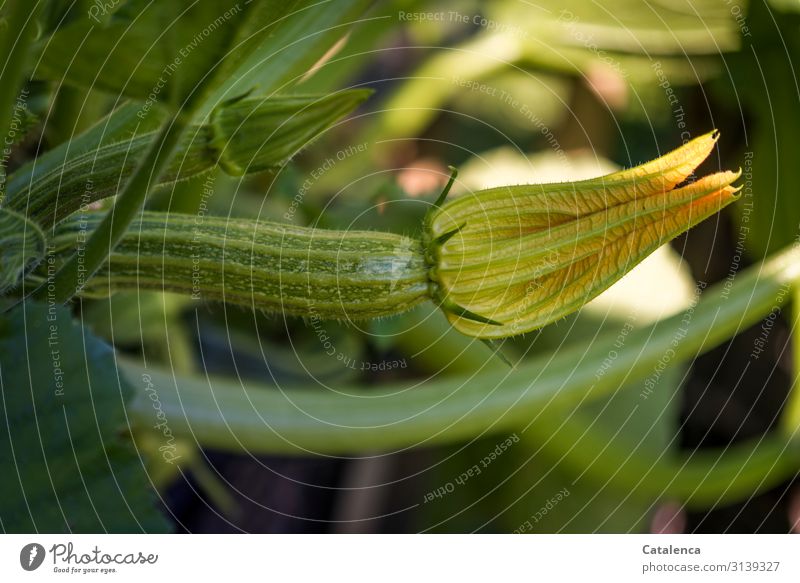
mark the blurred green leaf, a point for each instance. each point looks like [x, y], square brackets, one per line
[655, 29]
[764, 80]
[297, 42]
[355, 55]
[161, 51]
[66, 467]
[785, 5]
[18, 28]
[623, 42]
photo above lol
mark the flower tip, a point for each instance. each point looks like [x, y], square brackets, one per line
[730, 179]
[730, 190]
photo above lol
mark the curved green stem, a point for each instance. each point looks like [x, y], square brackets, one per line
[223, 413]
[698, 479]
[791, 411]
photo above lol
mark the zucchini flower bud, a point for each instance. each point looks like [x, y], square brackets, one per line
[509, 260]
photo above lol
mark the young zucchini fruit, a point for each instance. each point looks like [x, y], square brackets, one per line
[267, 266]
[499, 262]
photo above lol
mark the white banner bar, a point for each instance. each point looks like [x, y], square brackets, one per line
[401, 558]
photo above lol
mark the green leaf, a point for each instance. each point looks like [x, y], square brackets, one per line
[145, 48]
[242, 136]
[66, 466]
[132, 318]
[22, 246]
[785, 5]
[161, 51]
[296, 35]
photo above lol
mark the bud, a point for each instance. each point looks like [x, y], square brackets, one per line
[509, 260]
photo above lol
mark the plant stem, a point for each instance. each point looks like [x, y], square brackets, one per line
[243, 136]
[80, 267]
[790, 422]
[699, 479]
[15, 46]
[225, 414]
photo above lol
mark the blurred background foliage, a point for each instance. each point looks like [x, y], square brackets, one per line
[526, 93]
[509, 92]
[514, 92]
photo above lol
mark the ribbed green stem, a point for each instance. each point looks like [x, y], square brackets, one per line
[242, 136]
[109, 231]
[269, 266]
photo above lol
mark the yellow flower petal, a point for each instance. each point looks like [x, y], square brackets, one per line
[523, 272]
[511, 211]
